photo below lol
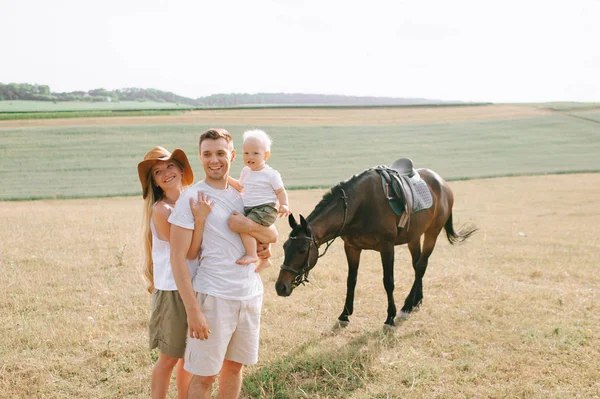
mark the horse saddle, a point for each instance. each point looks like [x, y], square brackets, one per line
[404, 189]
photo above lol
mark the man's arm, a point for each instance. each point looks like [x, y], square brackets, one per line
[180, 242]
[238, 223]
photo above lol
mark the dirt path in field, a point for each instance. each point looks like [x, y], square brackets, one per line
[304, 117]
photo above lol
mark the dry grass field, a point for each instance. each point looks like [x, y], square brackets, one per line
[512, 313]
[305, 117]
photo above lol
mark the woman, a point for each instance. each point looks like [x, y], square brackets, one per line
[163, 176]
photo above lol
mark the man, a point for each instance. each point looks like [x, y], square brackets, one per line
[224, 301]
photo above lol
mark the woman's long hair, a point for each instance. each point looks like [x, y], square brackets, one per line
[154, 195]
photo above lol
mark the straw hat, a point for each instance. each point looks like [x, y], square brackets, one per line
[161, 154]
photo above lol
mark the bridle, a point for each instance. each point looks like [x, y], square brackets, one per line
[302, 274]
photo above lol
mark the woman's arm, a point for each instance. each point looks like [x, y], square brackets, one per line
[160, 217]
[200, 210]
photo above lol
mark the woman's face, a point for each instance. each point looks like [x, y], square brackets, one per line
[167, 175]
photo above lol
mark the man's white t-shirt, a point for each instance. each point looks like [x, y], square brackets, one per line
[218, 274]
[260, 185]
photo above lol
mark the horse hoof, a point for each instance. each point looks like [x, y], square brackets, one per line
[403, 316]
[387, 328]
[342, 323]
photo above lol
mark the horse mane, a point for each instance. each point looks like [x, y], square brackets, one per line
[334, 192]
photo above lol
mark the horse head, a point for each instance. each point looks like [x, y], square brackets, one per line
[300, 256]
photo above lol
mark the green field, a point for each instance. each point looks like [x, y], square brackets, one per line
[60, 106]
[567, 106]
[85, 114]
[589, 115]
[71, 162]
[21, 106]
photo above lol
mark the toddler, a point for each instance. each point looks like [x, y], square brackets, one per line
[261, 187]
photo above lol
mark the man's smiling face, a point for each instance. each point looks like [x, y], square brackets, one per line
[216, 157]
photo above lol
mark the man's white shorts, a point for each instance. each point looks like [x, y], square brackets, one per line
[235, 329]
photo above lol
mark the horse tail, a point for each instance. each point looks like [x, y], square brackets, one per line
[458, 237]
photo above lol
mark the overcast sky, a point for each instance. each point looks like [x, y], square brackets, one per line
[469, 50]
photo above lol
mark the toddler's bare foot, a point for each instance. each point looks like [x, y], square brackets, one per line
[262, 264]
[246, 260]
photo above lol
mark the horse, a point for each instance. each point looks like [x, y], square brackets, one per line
[358, 211]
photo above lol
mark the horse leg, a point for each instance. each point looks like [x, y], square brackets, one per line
[420, 260]
[415, 251]
[353, 257]
[387, 260]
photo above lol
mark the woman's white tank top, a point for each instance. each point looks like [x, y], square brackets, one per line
[161, 257]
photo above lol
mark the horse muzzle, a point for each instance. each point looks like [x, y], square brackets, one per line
[283, 289]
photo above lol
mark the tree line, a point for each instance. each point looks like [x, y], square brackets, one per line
[26, 91]
[35, 92]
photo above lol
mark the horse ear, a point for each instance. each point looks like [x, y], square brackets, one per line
[303, 222]
[292, 221]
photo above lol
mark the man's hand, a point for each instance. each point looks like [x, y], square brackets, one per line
[197, 325]
[263, 250]
[284, 211]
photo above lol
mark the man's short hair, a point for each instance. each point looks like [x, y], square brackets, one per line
[215, 134]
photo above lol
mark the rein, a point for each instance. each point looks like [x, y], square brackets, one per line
[302, 274]
[345, 198]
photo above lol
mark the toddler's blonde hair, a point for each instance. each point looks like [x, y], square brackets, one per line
[259, 135]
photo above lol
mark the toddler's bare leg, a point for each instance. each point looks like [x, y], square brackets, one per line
[250, 247]
[262, 264]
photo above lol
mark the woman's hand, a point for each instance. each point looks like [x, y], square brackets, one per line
[202, 208]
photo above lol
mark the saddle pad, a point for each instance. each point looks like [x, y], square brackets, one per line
[421, 195]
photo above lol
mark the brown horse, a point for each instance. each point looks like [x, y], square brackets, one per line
[357, 211]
